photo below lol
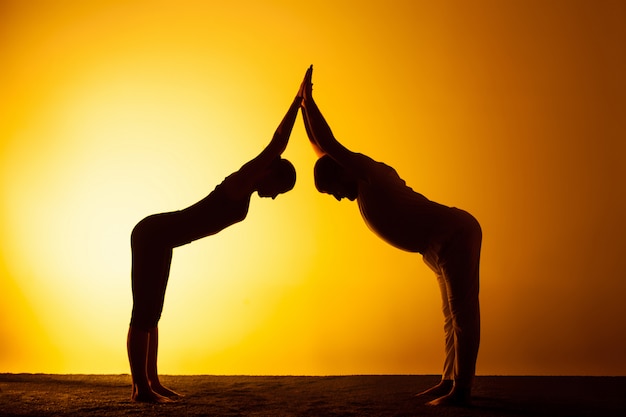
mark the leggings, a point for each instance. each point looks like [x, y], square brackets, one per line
[152, 248]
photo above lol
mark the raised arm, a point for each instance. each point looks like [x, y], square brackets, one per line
[244, 181]
[280, 139]
[319, 132]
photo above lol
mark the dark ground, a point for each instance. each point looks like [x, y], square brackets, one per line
[369, 395]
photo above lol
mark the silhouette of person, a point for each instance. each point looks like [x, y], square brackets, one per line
[154, 237]
[448, 238]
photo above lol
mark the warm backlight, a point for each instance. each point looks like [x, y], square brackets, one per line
[116, 110]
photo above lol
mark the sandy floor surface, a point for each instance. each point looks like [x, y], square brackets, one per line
[370, 395]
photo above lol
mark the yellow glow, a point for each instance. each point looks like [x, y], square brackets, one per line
[115, 110]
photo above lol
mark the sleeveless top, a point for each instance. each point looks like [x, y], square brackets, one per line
[210, 215]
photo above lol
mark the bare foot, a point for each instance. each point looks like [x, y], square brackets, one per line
[456, 398]
[166, 392]
[148, 397]
[442, 388]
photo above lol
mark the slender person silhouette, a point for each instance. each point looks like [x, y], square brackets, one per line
[448, 238]
[154, 237]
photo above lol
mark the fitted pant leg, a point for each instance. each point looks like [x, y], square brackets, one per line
[151, 260]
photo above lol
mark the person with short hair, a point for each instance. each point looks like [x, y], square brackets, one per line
[448, 238]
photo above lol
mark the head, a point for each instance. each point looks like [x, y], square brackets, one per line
[280, 178]
[332, 178]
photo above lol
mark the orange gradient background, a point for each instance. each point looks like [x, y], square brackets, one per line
[114, 110]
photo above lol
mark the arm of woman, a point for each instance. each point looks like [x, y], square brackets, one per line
[249, 174]
[279, 141]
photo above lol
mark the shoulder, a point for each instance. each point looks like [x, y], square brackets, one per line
[375, 170]
[236, 186]
[361, 165]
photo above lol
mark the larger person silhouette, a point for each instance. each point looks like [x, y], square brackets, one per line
[154, 237]
[448, 238]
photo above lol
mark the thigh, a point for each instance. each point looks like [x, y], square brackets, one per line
[459, 258]
[151, 260]
[460, 264]
[150, 272]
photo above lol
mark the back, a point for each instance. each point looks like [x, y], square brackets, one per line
[395, 212]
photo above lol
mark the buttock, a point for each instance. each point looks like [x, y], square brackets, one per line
[459, 245]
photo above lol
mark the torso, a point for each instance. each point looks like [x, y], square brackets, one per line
[399, 215]
[210, 215]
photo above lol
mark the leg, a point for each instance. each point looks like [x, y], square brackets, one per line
[467, 339]
[150, 270]
[466, 323]
[448, 329]
[447, 376]
[137, 344]
[151, 367]
[461, 273]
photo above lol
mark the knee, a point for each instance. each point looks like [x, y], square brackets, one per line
[144, 319]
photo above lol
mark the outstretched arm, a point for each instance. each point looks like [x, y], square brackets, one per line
[306, 88]
[319, 132]
[280, 139]
[243, 182]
